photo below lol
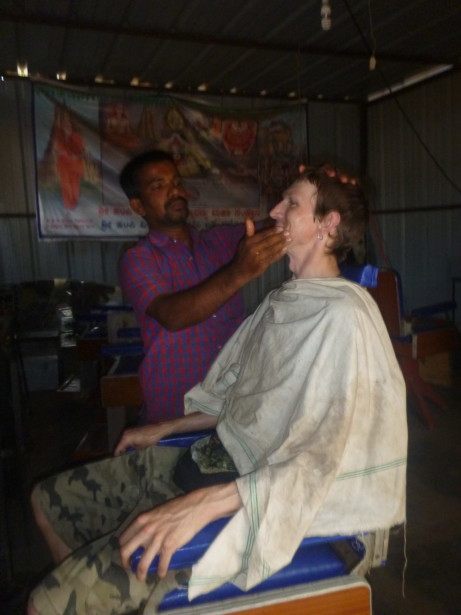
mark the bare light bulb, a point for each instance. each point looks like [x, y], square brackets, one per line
[325, 15]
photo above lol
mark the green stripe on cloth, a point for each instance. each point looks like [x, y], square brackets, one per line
[254, 521]
[372, 469]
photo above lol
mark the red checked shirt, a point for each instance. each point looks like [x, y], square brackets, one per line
[175, 361]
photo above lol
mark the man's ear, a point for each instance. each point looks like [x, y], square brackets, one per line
[331, 221]
[137, 207]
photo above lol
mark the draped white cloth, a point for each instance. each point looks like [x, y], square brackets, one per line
[311, 406]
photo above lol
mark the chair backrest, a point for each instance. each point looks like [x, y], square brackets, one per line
[365, 275]
[387, 295]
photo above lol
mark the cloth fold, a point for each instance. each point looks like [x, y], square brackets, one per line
[311, 406]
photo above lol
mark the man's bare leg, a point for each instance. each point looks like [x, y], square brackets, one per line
[59, 550]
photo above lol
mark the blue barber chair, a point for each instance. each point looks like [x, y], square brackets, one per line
[418, 336]
[317, 559]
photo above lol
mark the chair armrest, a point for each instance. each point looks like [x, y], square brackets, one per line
[431, 310]
[184, 440]
[191, 552]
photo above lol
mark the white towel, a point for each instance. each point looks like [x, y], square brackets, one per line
[311, 406]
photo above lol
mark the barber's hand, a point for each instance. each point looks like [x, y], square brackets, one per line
[258, 250]
[163, 530]
[332, 171]
[142, 437]
[342, 176]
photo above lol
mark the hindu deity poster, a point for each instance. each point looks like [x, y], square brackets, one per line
[233, 164]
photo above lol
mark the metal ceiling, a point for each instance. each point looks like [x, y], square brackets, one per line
[275, 48]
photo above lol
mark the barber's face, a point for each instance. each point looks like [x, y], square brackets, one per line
[295, 214]
[162, 198]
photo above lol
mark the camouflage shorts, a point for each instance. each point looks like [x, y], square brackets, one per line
[88, 508]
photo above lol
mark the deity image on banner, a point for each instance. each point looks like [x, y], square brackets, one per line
[69, 171]
[183, 143]
[239, 136]
[68, 149]
[234, 163]
[278, 158]
[117, 128]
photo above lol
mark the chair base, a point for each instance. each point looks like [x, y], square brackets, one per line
[345, 595]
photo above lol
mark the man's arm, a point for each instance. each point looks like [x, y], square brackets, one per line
[185, 308]
[166, 528]
[147, 435]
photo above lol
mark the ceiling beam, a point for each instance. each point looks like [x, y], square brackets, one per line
[204, 39]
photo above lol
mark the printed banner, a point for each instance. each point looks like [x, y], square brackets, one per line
[234, 163]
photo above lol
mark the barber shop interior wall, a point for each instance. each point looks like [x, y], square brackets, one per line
[333, 134]
[423, 245]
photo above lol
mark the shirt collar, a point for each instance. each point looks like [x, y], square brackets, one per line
[158, 238]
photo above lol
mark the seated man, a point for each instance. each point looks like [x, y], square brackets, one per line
[309, 406]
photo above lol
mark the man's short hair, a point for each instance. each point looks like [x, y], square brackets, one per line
[348, 199]
[129, 175]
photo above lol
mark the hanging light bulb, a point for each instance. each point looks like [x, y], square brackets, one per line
[22, 69]
[325, 15]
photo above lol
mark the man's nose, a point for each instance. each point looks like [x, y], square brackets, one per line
[277, 211]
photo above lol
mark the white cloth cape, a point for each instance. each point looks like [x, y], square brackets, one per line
[311, 406]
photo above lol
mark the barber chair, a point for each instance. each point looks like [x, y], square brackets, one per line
[425, 332]
[318, 579]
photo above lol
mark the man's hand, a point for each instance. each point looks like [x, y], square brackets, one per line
[142, 437]
[166, 528]
[257, 251]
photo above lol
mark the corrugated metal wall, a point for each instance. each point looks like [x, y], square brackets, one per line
[333, 134]
[424, 246]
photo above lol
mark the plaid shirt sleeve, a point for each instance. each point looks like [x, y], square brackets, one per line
[141, 279]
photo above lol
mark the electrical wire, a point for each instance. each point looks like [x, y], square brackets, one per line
[397, 102]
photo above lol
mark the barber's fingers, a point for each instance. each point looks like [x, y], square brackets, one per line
[276, 239]
[249, 227]
[270, 235]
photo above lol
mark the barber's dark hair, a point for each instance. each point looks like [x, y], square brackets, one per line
[345, 197]
[129, 175]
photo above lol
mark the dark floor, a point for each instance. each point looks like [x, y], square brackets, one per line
[431, 582]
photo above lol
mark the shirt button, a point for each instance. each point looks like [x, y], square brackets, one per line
[213, 316]
[219, 347]
[175, 241]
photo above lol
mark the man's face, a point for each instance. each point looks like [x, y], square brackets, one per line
[162, 199]
[296, 214]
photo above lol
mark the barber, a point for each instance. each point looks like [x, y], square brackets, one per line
[184, 284]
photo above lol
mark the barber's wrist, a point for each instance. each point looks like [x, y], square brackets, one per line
[236, 275]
